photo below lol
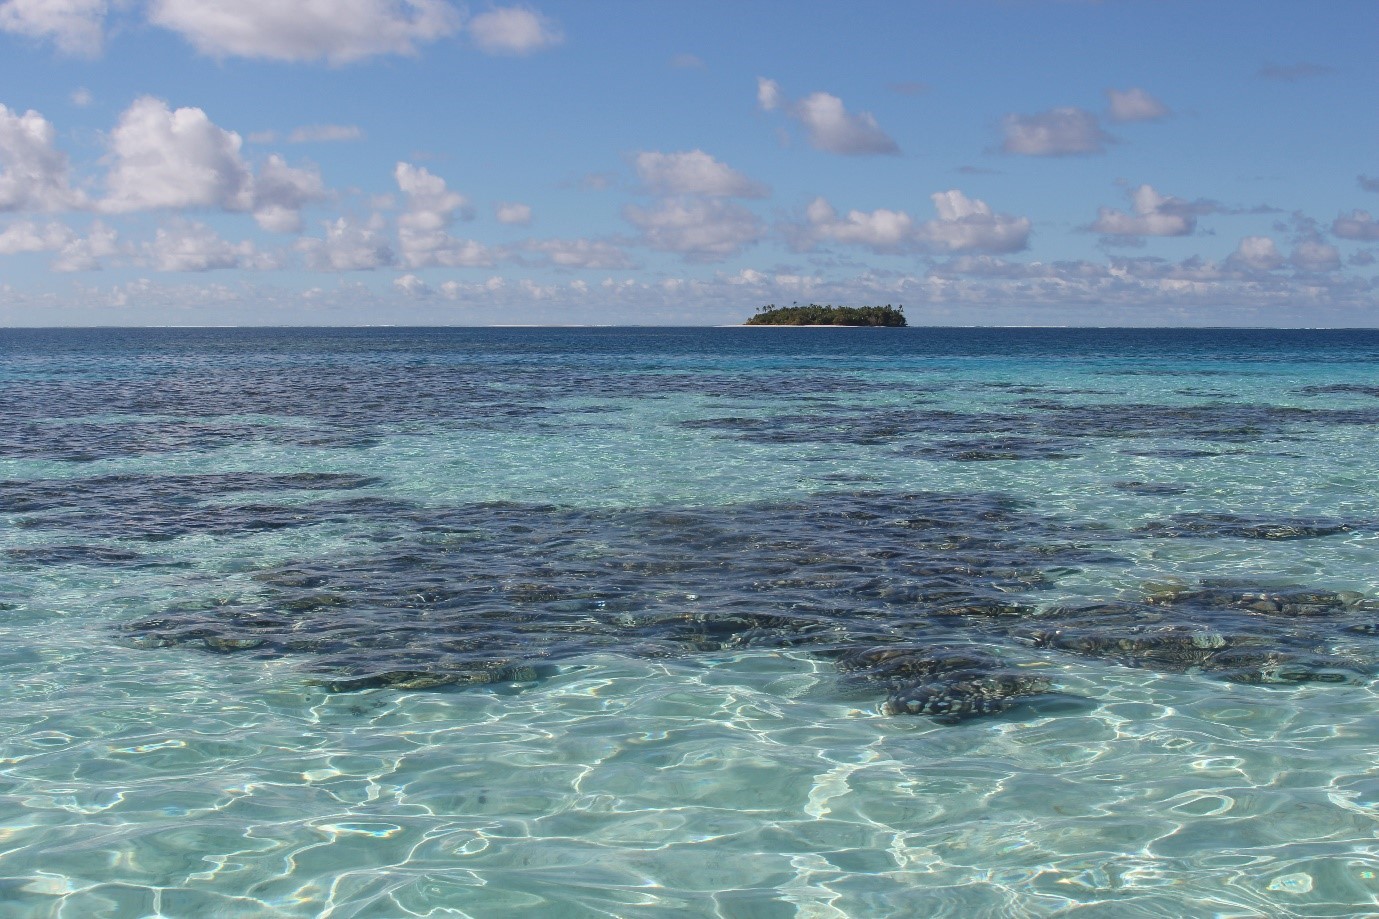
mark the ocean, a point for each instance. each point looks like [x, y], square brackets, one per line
[733, 622]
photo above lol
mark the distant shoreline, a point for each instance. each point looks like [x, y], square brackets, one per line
[821, 325]
[735, 325]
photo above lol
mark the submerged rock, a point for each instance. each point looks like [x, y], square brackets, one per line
[967, 695]
[1217, 526]
[929, 601]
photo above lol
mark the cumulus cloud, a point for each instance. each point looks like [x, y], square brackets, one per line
[35, 171]
[431, 205]
[421, 228]
[769, 96]
[512, 213]
[1258, 253]
[1356, 225]
[1154, 215]
[694, 173]
[442, 249]
[1135, 104]
[189, 246]
[413, 286]
[459, 290]
[992, 268]
[882, 230]
[325, 133]
[1315, 255]
[174, 159]
[686, 61]
[701, 230]
[75, 26]
[830, 126]
[349, 245]
[338, 31]
[1149, 282]
[84, 253]
[964, 225]
[280, 193]
[514, 30]
[1058, 132]
[581, 253]
[969, 225]
[28, 236]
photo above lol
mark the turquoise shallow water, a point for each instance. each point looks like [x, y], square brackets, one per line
[721, 622]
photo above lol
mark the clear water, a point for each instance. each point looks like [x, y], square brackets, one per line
[584, 623]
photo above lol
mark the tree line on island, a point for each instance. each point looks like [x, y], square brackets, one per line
[816, 314]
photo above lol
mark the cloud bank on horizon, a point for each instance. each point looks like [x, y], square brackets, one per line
[402, 161]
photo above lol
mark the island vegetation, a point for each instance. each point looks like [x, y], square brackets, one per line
[815, 314]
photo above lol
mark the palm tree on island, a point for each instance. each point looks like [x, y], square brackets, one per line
[814, 314]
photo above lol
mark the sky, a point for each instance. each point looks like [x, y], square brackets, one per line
[686, 162]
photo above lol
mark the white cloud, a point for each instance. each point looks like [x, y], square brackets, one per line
[1258, 253]
[27, 236]
[85, 253]
[430, 204]
[349, 245]
[700, 230]
[581, 253]
[280, 193]
[694, 172]
[514, 30]
[513, 213]
[769, 96]
[81, 97]
[338, 31]
[459, 290]
[325, 133]
[831, 127]
[1153, 283]
[441, 249]
[1135, 105]
[1356, 225]
[969, 225]
[964, 225]
[174, 159]
[881, 230]
[1057, 132]
[166, 159]
[413, 286]
[75, 26]
[421, 228]
[35, 172]
[1315, 255]
[187, 246]
[686, 61]
[1154, 215]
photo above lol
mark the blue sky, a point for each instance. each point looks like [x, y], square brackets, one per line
[207, 162]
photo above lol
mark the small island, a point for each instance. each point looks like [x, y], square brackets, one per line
[814, 314]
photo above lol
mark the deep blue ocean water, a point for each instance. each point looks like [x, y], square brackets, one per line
[725, 622]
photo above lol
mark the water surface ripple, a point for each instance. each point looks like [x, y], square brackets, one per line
[721, 622]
